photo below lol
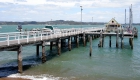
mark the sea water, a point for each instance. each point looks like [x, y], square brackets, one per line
[105, 63]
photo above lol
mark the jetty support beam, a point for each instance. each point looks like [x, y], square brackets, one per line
[77, 41]
[131, 42]
[92, 37]
[37, 50]
[84, 40]
[43, 52]
[69, 43]
[90, 53]
[59, 46]
[19, 52]
[109, 41]
[51, 45]
[117, 42]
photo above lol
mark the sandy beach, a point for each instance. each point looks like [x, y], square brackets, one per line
[13, 79]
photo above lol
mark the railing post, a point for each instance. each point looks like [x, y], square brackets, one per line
[35, 36]
[27, 37]
[41, 35]
[18, 38]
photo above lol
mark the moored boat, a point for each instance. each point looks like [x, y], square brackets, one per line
[19, 28]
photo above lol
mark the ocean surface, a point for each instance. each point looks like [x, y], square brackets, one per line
[105, 63]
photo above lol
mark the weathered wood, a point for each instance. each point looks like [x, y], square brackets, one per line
[122, 42]
[117, 42]
[84, 40]
[59, 46]
[110, 41]
[19, 52]
[102, 40]
[77, 41]
[90, 53]
[131, 42]
[92, 37]
[37, 50]
[51, 45]
[69, 43]
[122, 35]
[43, 52]
[88, 38]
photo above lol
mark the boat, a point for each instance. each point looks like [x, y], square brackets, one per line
[53, 29]
[112, 26]
[46, 30]
[0, 27]
[19, 28]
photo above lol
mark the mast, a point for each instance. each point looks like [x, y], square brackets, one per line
[125, 17]
[130, 17]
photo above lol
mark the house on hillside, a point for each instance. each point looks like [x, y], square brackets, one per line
[112, 26]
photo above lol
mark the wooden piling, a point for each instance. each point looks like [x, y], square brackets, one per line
[84, 40]
[77, 41]
[117, 42]
[92, 37]
[43, 52]
[121, 42]
[59, 46]
[110, 41]
[51, 45]
[19, 52]
[88, 38]
[69, 43]
[131, 43]
[122, 38]
[90, 53]
[102, 40]
[37, 50]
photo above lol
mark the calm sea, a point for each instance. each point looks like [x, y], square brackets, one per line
[105, 64]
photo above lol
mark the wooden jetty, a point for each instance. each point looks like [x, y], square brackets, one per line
[14, 41]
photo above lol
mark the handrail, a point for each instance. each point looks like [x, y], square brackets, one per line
[35, 35]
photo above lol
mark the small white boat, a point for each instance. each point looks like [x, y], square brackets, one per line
[46, 30]
[54, 29]
[0, 27]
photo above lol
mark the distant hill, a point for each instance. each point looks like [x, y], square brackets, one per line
[57, 22]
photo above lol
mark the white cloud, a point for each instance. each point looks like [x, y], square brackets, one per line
[43, 10]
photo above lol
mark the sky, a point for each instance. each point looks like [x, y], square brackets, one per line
[47, 10]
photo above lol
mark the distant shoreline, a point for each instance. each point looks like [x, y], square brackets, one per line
[57, 22]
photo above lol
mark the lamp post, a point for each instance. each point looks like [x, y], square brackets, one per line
[92, 19]
[81, 16]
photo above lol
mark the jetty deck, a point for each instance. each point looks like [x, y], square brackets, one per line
[13, 41]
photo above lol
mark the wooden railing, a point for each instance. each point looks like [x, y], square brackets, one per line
[25, 37]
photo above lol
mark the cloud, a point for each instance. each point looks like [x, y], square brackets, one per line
[45, 10]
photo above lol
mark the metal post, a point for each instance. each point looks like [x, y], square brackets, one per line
[81, 16]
